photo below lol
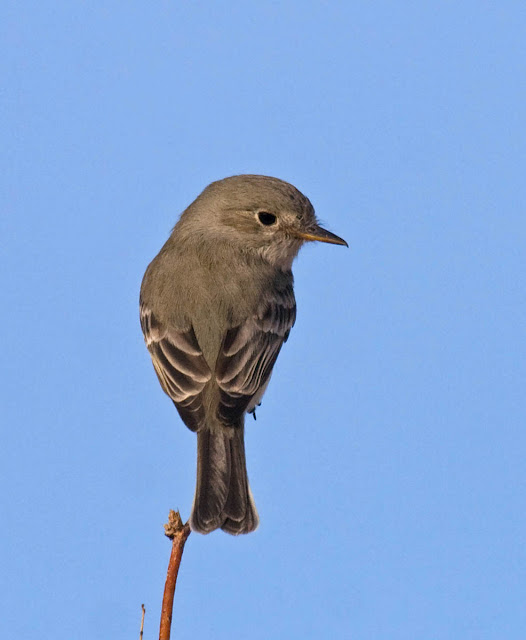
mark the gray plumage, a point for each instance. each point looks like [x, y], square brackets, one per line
[217, 303]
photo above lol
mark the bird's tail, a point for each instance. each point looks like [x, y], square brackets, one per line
[222, 495]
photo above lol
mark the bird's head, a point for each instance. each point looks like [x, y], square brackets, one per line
[257, 214]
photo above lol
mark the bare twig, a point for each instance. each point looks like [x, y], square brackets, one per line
[178, 533]
[142, 621]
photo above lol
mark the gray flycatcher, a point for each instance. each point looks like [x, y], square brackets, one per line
[216, 305]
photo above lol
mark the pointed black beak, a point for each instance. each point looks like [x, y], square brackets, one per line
[318, 234]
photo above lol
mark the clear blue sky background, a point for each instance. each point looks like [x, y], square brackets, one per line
[388, 458]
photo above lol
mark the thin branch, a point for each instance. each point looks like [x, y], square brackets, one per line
[142, 621]
[178, 533]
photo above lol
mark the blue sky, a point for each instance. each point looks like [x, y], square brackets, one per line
[387, 461]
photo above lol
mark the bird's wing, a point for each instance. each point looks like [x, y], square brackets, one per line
[179, 364]
[249, 351]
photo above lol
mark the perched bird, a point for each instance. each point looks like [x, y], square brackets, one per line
[216, 305]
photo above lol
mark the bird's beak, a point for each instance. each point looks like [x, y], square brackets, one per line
[321, 235]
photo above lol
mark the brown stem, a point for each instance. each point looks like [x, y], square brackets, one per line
[178, 533]
[142, 621]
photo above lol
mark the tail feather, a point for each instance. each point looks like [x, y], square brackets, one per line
[213, 481]
[222, 497]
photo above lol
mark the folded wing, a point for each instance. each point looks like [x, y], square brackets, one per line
[179, 364]
[249, 351]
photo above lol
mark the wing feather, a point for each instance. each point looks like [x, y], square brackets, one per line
[180, 365]
[249, 351]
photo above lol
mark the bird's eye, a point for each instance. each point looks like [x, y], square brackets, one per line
[266, 218]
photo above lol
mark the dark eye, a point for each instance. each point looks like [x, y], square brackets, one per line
[266, 218]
